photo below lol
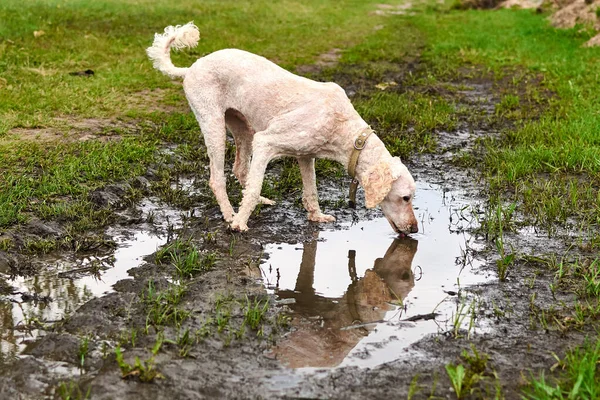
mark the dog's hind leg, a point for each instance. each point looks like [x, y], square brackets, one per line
[242, 135]
[213, 129]
[310, 199]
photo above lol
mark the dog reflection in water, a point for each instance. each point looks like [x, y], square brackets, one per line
[319, 339]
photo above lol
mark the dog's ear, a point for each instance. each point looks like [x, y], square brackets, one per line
[378, 181]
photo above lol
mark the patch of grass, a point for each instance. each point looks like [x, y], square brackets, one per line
[37, 178]
[72, 391]
[128, 337]
[579, 275]
[544, 145]
[465, 376]
[84, 347]
[193, 263]
[329, 169]
[6, 244]
[463, 310]
[185, 341]
[507, 104]
[78, 35]
[506, 260]
[287, 180]
[577, 376]
[186, 258]
[495, 225]
[145, 370]
[222, 315]
[457, 376]
[41, 246]
[231, 317]
[163, 307]
[254, 313]
[173, 195]
[392, 115]
[414, 387]
[586, 311]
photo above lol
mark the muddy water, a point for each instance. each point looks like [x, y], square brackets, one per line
[67, 282]
[364, 294]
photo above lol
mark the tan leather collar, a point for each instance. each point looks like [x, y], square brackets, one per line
[359, 144]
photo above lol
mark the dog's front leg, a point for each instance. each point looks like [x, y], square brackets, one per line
[261, 155]
[310, 198]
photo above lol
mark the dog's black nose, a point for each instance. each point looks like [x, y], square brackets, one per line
[414, 228]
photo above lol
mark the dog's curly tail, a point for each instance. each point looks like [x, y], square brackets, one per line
[176, 37]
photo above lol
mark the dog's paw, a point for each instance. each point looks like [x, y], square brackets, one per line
[238, 227]
[265, 201]
[228, 217]
[321, 217]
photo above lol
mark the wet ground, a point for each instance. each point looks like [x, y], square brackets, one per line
[68, 281]
[352, 311]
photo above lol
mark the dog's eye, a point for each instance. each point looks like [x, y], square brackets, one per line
[406, 198]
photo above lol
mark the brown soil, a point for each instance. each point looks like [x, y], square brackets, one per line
[73, 130]
[323, 61]
[526, 4]
[577, 12]
[69, 129]
[154, 100]
[389, 9]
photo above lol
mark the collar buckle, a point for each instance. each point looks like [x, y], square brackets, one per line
[359, 144]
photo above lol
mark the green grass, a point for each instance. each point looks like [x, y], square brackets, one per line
[163, 306]
[145, 370]
[52, 179]
[255, 313]
[392, 114]
[186, 258]
[473, 376]
[110, 36]
[71, 391]
[561, 147]
[84, 345]
[576, 376]
[41, 178]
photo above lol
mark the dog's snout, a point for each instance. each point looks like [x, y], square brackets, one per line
[414, 228]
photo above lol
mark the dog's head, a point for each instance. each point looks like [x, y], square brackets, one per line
[390, 185]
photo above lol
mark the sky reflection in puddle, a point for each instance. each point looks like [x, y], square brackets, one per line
[356, 288]
[67, 282]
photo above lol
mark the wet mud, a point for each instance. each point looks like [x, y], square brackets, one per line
[349, 310]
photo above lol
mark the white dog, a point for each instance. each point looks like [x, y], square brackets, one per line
[273, 113]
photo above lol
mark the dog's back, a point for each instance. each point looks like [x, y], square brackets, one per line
[254, 86]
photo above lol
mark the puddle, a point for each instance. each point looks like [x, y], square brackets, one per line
[67, 283]
[365, 295]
